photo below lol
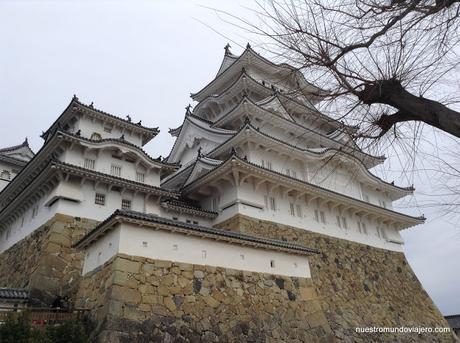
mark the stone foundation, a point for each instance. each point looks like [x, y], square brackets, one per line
[134, 299]
[358, 285]
[137, 299]
[45, 262]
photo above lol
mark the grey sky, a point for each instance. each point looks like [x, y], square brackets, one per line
[144, 59]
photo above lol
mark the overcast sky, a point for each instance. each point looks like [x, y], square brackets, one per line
[144, 59]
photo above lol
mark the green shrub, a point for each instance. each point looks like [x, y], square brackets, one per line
[18, 329]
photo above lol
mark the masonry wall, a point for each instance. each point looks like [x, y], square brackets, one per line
[137, 299]
[44, 262]
[358, 285]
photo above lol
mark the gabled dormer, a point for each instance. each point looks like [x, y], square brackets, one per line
[91, 123]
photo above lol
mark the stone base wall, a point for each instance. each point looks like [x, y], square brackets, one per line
[358, 285]
[45, 262]
[136, 299]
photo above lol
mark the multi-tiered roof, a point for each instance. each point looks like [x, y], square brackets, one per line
[253, 103]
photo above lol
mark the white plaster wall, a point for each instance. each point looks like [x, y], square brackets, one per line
[88, 126]
[13, 170]
[104, 160]
[27, 223]
[163, 245]
[246, 200]
[102, 250]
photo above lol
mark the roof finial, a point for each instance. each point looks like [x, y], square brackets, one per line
[187, 109]
[248, 46]
[26, 142]
[199, 152]
[247, 120]
[122, 137]
[128, 118]
[233, 151]
[227, 49]
[243, 70]
[140, 122]
[91, 105]
[75, 97]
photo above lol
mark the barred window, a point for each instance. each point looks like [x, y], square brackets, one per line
[291, 208]
[140, 177]
[89, 163]
[126, 204]
[99, 199]
[115, 170]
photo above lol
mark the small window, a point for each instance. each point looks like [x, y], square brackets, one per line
[110, 244]
[288, 172]
[89, 163]
[115, 170]
[96, 136]
[175, 218]
[294, 174]
[272, 204]
[298, 209]
[145, 244]
[266, 201]
[203, 253]
[140, 177]
[107, 129]
[269, 165]
[339, 223]
[366, 197]
[99, 199]
[272, 263]
[6, 175]
[291, 209]
[195, 222]
[317, 216]
[364, 228]
[242, 256]
[188, 221]
[344, 223]
[126, 204]
[175, 247]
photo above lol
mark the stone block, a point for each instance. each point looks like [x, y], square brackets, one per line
[124, 265]
[307, 293]
[126, 295]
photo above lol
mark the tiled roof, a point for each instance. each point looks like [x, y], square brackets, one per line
[14, 293]
[198, 230]
[183, 204]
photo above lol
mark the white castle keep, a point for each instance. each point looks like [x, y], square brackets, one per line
[254, 144]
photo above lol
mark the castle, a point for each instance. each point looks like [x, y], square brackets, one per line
[264, 223]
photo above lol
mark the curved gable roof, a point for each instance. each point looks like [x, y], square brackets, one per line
[247, 57]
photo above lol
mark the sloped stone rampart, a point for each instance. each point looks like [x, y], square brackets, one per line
[358, 285]
[45, 262]
[148, 300]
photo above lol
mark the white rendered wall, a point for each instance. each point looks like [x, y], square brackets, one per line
[88, 126]
[12, 170]
[104, 160]
[162, 245]
[102, 250]
[246, 200]
[28, 222]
